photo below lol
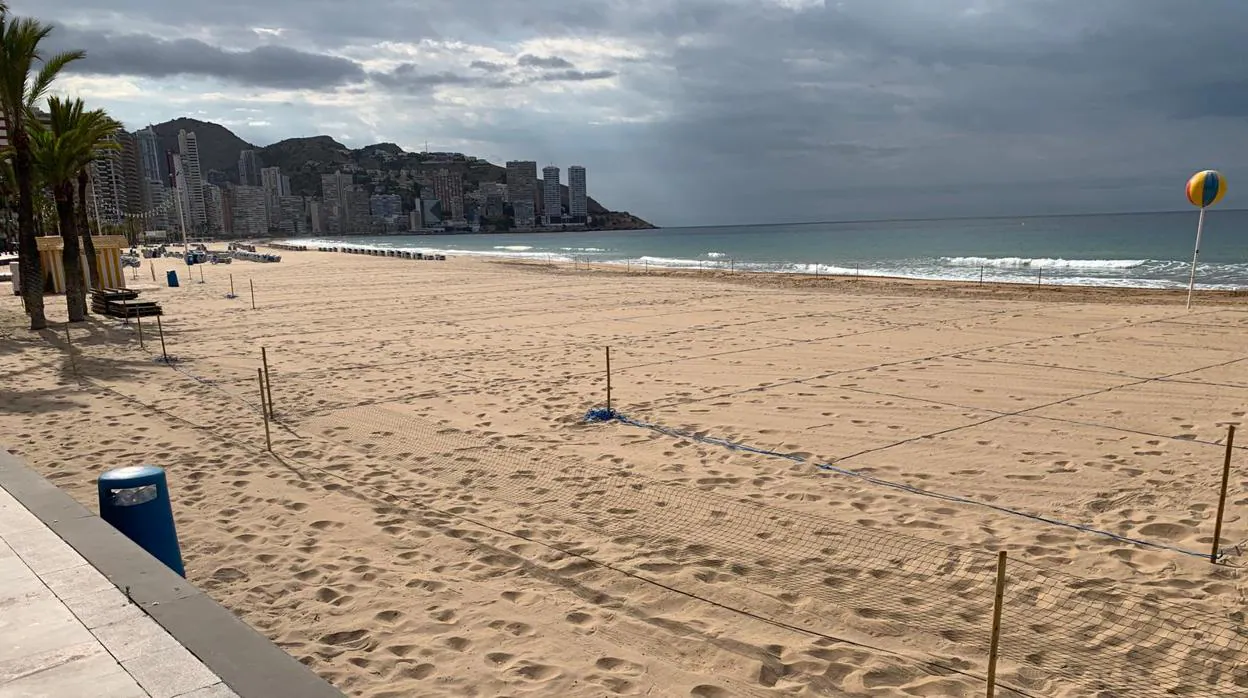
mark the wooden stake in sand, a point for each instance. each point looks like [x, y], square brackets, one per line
[152, 266]
[139, 319]
[1226, 477]
[264, 411]
[608, 378]
[268, 382]
[68, 340]
[253, 293]
[201, 273]
[981, 275]
[1039, 275]
[996, 625]
[231, 286]
[161, 331]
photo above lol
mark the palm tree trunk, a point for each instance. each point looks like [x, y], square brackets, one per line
[84, 229]
[71, 254]
[27, 248]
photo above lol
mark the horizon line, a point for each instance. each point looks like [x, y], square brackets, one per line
[924, 219]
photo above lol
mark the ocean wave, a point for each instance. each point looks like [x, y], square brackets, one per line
[1042, 262]
[674, 262]
[582, 249]
[514, 248]
[716, 255]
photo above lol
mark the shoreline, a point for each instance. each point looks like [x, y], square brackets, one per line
[896, 285]
[727, 268]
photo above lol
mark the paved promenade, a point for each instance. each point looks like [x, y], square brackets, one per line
[100, 627]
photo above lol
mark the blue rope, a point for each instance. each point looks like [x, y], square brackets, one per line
[599, 415]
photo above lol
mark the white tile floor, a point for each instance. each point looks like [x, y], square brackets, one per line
[65, 630]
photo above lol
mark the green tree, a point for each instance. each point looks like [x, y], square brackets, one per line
[21, 87]
[73, 138]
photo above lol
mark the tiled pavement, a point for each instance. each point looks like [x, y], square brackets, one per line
[66, 630]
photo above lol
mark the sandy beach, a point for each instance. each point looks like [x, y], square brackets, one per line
[438, 519]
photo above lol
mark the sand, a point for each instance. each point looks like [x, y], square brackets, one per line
[438, 520]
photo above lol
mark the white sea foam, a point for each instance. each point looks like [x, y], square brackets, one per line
[582, 249]
[672, 262]
[716, 255]
[1042, 262]
[514, 248]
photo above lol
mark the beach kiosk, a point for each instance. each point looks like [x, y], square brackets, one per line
[107, 250]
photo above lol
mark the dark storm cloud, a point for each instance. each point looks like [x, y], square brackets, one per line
[409, 78]
[488, 66]
[924, 92]
[794, 107]
[147, 56]
[529, 60]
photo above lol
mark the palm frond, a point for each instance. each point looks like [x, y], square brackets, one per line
[48, 71]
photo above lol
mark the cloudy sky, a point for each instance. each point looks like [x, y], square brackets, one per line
[694, 112]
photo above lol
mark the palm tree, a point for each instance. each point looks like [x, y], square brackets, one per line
[61, 151]
[19, 91]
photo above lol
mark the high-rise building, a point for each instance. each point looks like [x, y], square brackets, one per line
[4, 125]
[132, 173]
[151, 158]
[216, 210]
[249, 166]
[275, 186]
[334, 189]
[552, 191]
[385, 206]
[249, 207]
[493, 196]
[578, 198]
[356, 219]
[108, 184]
[273, 181]
[193, 181]
[521, 183]
[154, 174]
[316, 217]
[162, 206]
[448, 187]
[293, 215]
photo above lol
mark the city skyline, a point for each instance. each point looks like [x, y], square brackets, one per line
[258, 201]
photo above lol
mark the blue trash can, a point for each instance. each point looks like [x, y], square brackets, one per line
[172, 277]
[135, 500]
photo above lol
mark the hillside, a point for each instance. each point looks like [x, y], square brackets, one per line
[304, 160]
[218, 146]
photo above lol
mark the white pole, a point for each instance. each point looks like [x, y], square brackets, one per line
[179, 178]
[95, 201]
[1191, 281]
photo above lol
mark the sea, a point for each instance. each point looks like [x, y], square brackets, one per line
[1141, 250]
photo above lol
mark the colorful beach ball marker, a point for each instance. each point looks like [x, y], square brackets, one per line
[1206, 188]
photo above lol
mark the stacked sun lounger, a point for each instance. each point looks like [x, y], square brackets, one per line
[122, 303]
